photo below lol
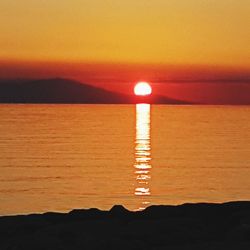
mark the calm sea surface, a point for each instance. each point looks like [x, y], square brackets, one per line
[60, 157]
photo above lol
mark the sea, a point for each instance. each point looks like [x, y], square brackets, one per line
[64, 157]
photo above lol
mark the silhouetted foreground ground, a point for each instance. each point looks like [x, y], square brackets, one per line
[189, 226]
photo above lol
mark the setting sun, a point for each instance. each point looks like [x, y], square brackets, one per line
[142, 89]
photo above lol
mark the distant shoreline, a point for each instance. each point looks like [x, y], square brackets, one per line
[187, 226]
[156, 104]
[67, 91]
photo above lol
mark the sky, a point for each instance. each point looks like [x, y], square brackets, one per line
[142, 31]
[105, 41]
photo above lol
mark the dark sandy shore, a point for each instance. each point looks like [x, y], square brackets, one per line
[188, 226]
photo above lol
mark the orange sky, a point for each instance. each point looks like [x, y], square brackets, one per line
[114, 43]
[208, 32]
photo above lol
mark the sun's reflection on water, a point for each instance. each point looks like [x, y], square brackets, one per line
[142, 154]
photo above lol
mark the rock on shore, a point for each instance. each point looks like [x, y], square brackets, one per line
[189, 226]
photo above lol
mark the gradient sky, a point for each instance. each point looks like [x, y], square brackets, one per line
[195, 50]
[200, 32]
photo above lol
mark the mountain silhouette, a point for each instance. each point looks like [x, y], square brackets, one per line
[60, 90]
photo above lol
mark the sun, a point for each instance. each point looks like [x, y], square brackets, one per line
[142, 89]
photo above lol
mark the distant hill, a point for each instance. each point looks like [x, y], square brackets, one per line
[59, 90]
